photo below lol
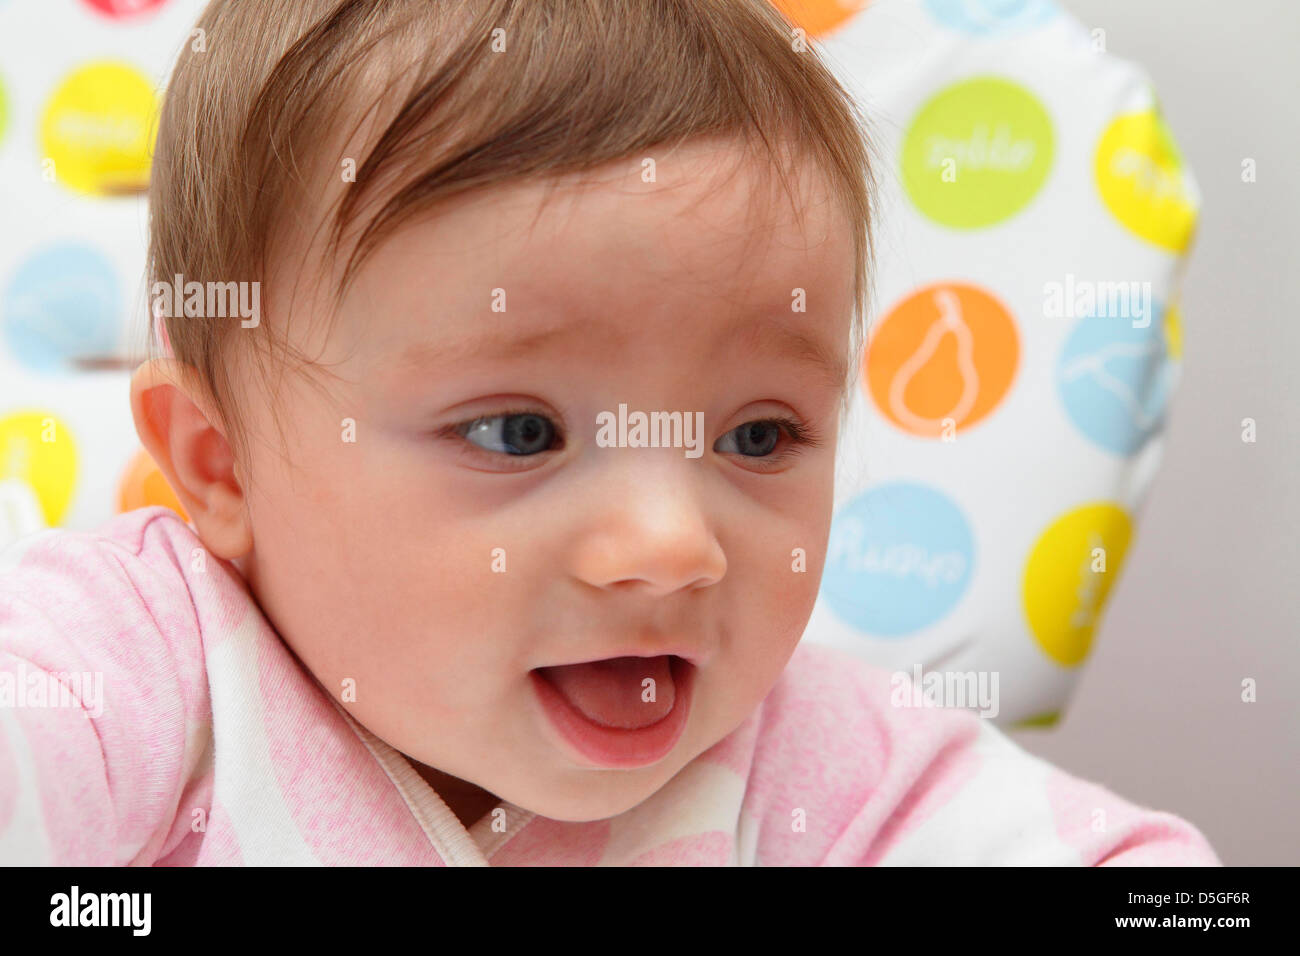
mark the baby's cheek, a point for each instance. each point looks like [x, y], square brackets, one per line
[796, 576]
[772, 610]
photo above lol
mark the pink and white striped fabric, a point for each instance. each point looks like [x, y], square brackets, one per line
[204, 742]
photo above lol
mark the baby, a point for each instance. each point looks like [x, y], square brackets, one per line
[509, 499]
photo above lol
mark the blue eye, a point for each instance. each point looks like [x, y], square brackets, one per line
[515, 433]
[757, 439]
[752, 439]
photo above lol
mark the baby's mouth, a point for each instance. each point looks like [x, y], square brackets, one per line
[624, 693]
[620, 712]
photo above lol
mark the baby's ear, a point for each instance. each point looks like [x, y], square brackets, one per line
[183, 434]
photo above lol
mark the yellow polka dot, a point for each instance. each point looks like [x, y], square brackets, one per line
[98, 129]
[36, 447]
[1174, 332]
[1142, 180]
[1068, 577]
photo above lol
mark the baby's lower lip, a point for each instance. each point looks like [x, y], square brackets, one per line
[613, 746]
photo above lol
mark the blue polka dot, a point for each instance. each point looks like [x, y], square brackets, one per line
[983, 17]
[1115, 380]
[62, 303]
[900, 558]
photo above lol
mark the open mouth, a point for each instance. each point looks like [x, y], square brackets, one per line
[618, 712]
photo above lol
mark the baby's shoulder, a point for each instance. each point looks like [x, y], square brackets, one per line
[114, 625]
[141, 579]
[849, 764]
[151, 536]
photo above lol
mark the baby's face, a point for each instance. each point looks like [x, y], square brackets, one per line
[475, 534]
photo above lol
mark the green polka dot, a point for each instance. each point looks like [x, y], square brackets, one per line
[977, 152]
[1049, 719]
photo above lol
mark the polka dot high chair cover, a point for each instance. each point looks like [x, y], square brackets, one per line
[79, 83]
[1024, 341]
[1034, 213]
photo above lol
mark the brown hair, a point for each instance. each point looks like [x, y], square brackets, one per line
[583, 82]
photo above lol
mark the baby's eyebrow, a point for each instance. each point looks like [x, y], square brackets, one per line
[802, 347]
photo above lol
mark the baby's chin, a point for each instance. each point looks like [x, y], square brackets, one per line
[574, 794]
[608, 793]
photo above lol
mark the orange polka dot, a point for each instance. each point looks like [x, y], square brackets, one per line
[143, 484]
[819, 17]
[943, 358]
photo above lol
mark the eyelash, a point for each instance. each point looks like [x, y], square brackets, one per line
[802, 435]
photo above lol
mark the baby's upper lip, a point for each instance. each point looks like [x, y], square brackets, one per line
[691, 655]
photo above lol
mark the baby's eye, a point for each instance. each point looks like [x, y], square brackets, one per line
[757, 439]
[515, 433]
[752, 439]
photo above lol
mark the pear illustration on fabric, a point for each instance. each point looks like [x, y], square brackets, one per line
[950, 321]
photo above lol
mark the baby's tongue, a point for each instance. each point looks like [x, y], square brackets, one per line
[609, 692]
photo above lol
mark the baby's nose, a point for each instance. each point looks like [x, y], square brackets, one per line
[648, 526]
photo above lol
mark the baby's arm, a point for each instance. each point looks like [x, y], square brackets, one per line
[94, 704]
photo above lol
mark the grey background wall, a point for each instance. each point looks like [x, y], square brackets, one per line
[1211, 592]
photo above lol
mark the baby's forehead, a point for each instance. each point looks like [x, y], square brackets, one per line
[687, 211]
[700, 180]
[496, 282]
[700, 230]
[614, 239]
